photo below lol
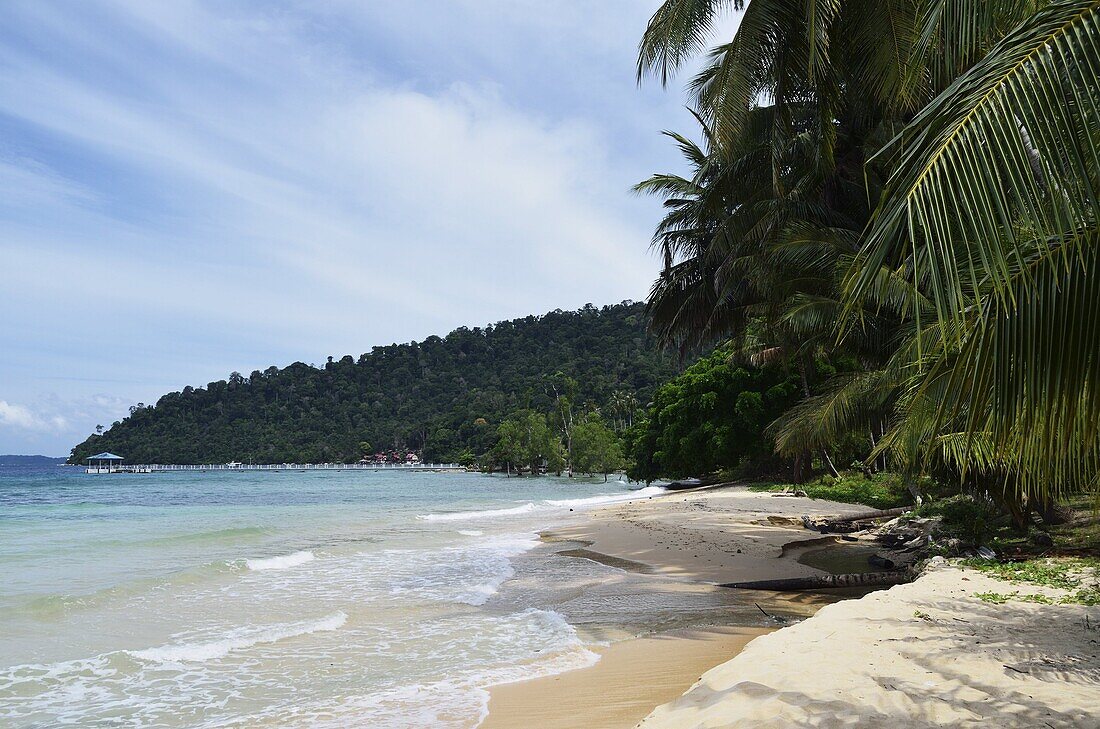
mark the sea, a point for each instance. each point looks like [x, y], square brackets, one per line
[294, 598]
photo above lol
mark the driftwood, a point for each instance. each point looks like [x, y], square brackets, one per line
[867, 515]
[853, 523]
[859, 579]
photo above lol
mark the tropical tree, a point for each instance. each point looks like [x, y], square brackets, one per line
[596, 448]
[972, 131]
[992, 211]
[526, 441]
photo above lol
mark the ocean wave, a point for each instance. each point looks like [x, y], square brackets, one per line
[471, 532]
[236, 640]
[548, 504]
[281, 562]
[231, 534]
[534, 642]
[489, 514]
[643, 493]
[468, 573]
[53, 606]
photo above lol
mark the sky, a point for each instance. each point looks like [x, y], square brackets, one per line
[193, 188]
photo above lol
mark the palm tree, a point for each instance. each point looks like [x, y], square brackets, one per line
[974, 129]
[992, 210]
[762, 268]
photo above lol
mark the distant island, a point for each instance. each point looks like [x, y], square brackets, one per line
[443, 398]
[14, 460]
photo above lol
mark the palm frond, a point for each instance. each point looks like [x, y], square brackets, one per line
[677, 31]
[966, 205]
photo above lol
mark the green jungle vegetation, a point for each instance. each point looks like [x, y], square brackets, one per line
[444, 397]
[880, 490]
[711, 418]
[910, 188]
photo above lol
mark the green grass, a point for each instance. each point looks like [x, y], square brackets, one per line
[1078, 575]
[881, 491]
[999, 598]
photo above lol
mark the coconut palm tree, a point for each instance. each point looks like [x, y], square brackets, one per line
[992, 210]
[974, 129]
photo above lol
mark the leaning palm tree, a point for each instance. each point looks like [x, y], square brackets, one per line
[988, 207]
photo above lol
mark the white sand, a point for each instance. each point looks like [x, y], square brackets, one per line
[918, 655]
[682, 542]
[715, 536]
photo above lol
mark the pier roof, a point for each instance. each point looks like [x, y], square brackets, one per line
[104, 456]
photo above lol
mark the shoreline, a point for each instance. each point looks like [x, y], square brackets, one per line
[623, 686]
[688, 542]
[922, 654]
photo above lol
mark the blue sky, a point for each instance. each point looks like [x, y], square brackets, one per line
[190, 188]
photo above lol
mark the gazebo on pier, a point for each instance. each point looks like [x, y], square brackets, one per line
[103, 463]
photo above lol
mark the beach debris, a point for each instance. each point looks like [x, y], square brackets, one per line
[851, 523]
[898, 533]
[775, 618]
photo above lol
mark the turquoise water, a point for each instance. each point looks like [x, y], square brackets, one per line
[273, 598]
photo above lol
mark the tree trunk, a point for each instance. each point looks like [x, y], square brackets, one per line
[1020, 511]
[1054, 513]
[817, 582]
[800, 472]
[1033, 157]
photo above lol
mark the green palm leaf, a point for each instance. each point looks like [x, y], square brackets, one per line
[1002, 160]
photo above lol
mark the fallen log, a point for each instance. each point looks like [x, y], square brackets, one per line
[867, 515]
[853, 523]
[817, 582]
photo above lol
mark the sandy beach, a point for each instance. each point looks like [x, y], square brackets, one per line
[623, 686]
[687, 543]
[922, 654]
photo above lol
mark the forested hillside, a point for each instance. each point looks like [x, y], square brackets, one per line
[442, 396]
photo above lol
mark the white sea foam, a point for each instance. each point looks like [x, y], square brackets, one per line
[534, 642]
[470, 532]
[489, 514]
[643, 493]
[238, 639]
[281, 562]
[467, 573]
[548, 505]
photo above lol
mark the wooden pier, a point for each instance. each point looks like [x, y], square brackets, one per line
[166, 467]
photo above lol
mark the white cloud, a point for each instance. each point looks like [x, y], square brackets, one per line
[227, 187]
[21, 417]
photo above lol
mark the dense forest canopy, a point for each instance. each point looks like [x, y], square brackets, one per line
[711, 418]
[442, 397]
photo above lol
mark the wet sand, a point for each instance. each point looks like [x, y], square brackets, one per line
[688, 543]
[924, 654]
[631, 677]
